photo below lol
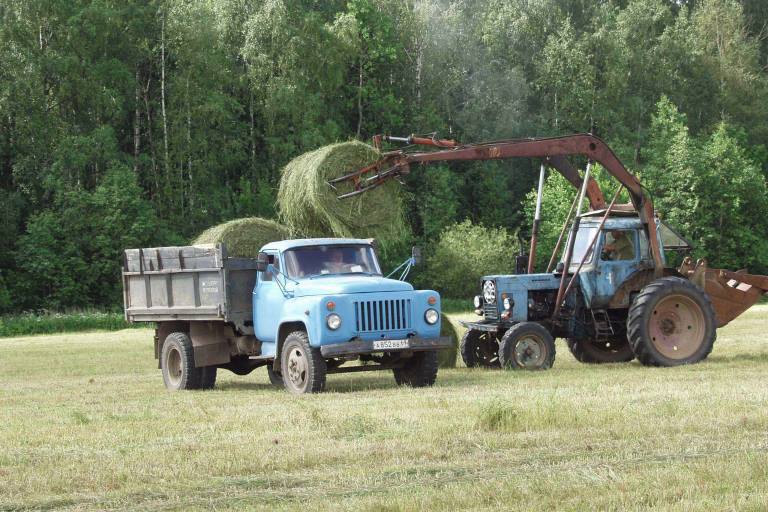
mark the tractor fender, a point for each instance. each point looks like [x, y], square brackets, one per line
[633, 284]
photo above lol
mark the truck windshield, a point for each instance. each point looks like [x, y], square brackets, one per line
[331, 259]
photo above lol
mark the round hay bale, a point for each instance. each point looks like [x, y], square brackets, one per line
[243, 238]
[309, 207]
[447, 358]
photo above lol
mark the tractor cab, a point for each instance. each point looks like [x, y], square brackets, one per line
[612, 265]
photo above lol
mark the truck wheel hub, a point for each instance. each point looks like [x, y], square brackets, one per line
[297, 367]
[173, 363]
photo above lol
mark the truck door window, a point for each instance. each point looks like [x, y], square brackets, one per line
[618, 244]
[273, 260]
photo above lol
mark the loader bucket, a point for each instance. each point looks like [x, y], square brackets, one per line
[731, 293]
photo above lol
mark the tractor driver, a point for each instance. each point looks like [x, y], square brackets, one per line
[619, 246]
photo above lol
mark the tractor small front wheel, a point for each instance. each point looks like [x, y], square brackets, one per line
[527, 346]
[480, 349]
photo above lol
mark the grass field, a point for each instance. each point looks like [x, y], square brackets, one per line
[85, 424]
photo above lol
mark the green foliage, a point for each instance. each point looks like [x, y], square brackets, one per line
[204, 102]
[27, 324]
[464, 253]
[71, 252]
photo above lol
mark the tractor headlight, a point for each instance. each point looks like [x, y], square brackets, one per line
[489, 292]
[508, 303]
[333, 321]
[478, 301]
[431, 316]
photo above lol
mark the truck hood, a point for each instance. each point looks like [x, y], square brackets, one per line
[339, 285]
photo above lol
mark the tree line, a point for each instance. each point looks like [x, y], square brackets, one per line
[139, 123]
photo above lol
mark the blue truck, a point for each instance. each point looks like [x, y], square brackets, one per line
[302, 308]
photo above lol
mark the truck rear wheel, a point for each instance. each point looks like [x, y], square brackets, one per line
[527, 346]
[613, 350]
[671, 322]
[177, 363]
[480, 349]
[302, 367]
[208, 377]
[419, 371]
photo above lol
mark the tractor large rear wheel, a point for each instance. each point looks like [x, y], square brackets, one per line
[612, 350]
[671, 322]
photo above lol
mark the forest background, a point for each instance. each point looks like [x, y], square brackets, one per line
[129, 123]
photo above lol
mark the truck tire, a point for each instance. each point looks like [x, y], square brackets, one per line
[615, 350]
[274, 377]
[671, 323]
[419, 371]
[480, 349]
[302, 367]
[177, 363]
[527, 346]
[208, 377]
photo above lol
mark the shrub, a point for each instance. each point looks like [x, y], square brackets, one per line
[464, 253]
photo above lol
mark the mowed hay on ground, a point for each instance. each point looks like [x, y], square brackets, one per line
[310, 207]
[87, 425]
[243, 237]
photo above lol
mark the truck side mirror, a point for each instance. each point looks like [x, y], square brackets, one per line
[416, 255]
[261, 262]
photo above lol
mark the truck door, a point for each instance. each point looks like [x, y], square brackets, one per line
[267, 304]
[618, 259]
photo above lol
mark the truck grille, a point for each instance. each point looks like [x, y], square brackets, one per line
[383, 315]
[490, 311]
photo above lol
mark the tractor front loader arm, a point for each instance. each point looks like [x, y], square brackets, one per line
[553, 151]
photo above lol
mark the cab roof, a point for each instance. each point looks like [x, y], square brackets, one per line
[284, 245]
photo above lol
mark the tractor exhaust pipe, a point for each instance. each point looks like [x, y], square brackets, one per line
[536, 220]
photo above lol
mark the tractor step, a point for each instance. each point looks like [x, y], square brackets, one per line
[602, 323]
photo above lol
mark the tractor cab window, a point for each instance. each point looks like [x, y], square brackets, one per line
[619, 244]
[581, 244]
[273, 260]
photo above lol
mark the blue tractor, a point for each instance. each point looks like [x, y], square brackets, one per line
[611, 294]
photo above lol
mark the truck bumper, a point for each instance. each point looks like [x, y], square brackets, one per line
[367, 347]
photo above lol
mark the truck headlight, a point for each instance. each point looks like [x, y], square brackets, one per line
[334, 321]
[478, 301]
[431, 316]
[508, 303]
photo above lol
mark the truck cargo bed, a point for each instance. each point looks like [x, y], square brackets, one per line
[188, 283]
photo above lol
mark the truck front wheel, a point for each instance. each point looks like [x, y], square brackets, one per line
[177, 363]
[301, 366]
[419, 371]
[527, 346]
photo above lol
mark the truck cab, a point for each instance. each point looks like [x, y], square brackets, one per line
[303, 308]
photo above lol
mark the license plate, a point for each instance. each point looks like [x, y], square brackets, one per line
[389, 344]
